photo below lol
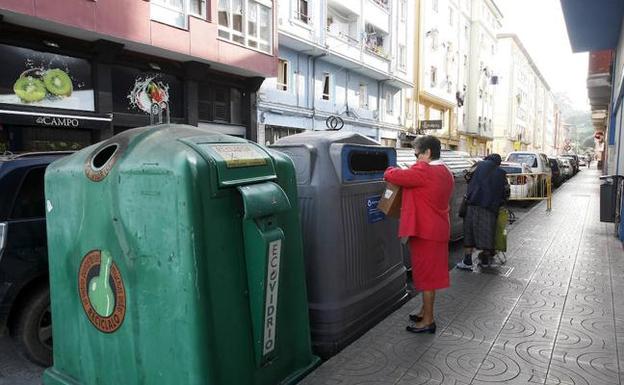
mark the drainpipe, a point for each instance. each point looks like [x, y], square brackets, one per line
[379, 93]
[417, 64]
[313, 87]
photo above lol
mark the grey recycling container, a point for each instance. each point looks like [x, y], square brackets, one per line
[610, 195]
[354, 268]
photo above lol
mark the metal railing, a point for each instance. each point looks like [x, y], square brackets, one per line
[530, 187]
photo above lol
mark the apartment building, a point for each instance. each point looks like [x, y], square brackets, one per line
[350, 59]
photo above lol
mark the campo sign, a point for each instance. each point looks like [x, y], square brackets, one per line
[430, 124]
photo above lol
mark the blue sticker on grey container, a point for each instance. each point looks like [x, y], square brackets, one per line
[374, 214]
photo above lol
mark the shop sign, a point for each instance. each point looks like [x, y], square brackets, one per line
[42, 79]
[51, 121]
[431, 124]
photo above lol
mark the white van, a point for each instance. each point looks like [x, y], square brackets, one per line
[537, 161]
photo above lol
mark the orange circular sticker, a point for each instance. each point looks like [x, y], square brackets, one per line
[102, 291]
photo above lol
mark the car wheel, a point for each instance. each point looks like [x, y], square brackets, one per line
[33, 330]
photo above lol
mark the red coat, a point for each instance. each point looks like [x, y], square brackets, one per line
[426, 193]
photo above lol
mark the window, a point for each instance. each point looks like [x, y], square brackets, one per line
[389, 103]
[176, 12]
[246, 22]
[375, 40]
[30, 200]
[302, 11]
[451, 16]
[434, 4]
[434, 76]
[326, 86]
[402, 56]
[282, 75]
[214, 103]
[363, 95]
[408, 108]
[403, 9]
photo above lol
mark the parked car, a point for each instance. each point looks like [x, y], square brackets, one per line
[538, 162]
[582, 162]
[574, 161]
[521, 186]
[567, 168]
[557, 175]
[24, 288]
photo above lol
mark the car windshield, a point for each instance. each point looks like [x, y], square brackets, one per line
[529, 159]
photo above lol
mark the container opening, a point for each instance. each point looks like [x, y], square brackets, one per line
[103, 156]
[368, 162]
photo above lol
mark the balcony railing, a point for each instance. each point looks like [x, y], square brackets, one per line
[385, 4]
[377, 50]
[303, 17]
[344, 37]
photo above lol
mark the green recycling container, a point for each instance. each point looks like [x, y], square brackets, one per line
[176, 258]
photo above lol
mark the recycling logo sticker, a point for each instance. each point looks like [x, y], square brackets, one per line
[102, 291]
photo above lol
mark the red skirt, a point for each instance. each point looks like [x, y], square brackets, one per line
[429, 264]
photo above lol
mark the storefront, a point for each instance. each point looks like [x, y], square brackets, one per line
[59, 93]
[47, 101]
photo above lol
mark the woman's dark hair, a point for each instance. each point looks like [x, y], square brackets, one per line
[428, 142]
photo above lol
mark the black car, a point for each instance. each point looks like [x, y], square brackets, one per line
[24, 287]
[557, 176]
[574, 159]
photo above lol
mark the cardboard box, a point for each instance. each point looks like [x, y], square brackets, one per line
[390, 202]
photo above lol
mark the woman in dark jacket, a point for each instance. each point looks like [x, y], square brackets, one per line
[487, 191]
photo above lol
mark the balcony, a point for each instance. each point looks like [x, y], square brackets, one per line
[599, 78]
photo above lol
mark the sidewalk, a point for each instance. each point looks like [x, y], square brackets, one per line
[557, 318]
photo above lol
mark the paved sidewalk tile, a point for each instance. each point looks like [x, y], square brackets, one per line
[557, 318]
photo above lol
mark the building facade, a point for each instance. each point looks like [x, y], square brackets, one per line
[478, 133]
[75, 72]
[350, 59]
[524, 116]
[455, 71]
[442, 65]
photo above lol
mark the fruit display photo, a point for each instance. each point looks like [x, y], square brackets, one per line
[43, 79]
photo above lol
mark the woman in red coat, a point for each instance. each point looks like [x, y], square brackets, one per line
[427, 188]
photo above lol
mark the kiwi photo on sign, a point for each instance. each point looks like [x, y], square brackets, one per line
[44, 79]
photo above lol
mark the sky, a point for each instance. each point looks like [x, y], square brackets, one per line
[540, 26]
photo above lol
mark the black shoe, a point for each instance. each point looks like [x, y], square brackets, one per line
[415, 318]
[425, 329]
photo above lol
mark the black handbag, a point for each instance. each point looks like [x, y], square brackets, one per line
[463, 207]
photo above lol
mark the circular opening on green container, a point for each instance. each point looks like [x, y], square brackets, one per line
[103, 156]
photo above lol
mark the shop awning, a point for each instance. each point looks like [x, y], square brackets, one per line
[593, 25]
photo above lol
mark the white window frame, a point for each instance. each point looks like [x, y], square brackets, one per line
[326, 79]
[403, 10]
[284, 70]
[402, 57]
[248, 39]
[389, 103]
[298, 14]
[363, 96]
[176, 17]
